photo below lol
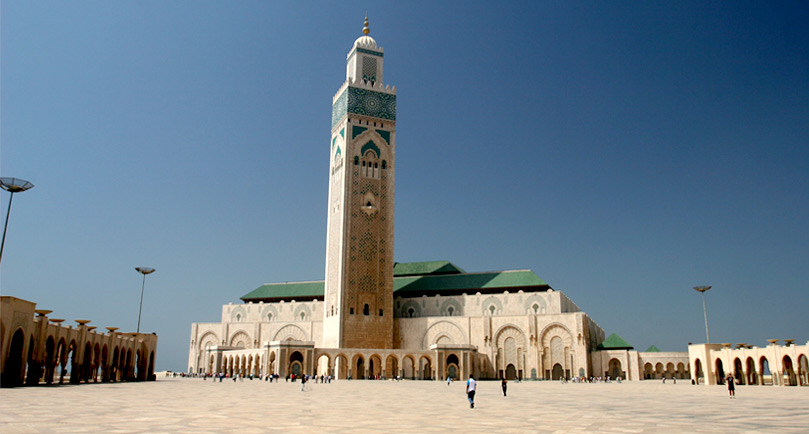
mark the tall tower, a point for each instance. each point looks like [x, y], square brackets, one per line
[359, 246]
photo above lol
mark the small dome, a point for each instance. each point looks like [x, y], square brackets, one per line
[365, 41]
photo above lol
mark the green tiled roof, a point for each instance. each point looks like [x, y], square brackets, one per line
[416, 285]
[413, 286]
[653, 349]
[422, 268]
[291, 290]
[614, 342]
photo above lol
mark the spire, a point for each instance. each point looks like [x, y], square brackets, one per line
[365, 29]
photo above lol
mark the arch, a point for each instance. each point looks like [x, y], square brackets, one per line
[535, 304]
[764, 371]
[269, 314]
[303, 313]
[752, 375]
[410, 309]
[443, 329]
[391, 366]
[698, 371]
[614, 369]
[341, 366]
[323, 366]
[296, 363]
[738, 371]
[290, 332]
[803, 370]
[238, 314]
[451, 307]
[50, 359]
[720, 371]
[208, 339]
[425, 367]
[371, 146]
[790, 379]
[358, 367]
[558, 372]
[510, 341]
[452, 364]
[511, 372]
[375, 366]
[492, 306]
[240, 339]
[13, 369]
[556, 341]
[648, 371]
[409, 367]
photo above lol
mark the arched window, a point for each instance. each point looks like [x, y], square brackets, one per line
[366, 310]
[450, 310]
[384, 164]
[492, 309]
[535, 307]
[356, 161]
[410, 312]
[380, 312]
[238, 317]
[303, 316]
[269, 316]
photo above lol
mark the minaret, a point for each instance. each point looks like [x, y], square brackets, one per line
[358, 302]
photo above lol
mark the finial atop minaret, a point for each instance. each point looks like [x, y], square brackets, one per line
[365, 29]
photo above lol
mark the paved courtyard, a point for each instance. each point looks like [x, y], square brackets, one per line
[195, 406]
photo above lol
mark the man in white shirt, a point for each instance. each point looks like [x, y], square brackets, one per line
[471, 385]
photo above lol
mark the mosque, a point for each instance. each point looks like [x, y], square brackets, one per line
[375, 318]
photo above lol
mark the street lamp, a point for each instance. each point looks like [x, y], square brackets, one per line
[144, 271]
[702, 290]
[11, 185]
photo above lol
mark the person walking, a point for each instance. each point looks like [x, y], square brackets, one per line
[471, 386]
[504, 386]
[731, 386]
[303, 383]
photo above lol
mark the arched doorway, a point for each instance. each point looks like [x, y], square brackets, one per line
[764, 371]
[375, 367]
[738, 372]
[425, 366]
[341, 366]
[558, 372]
[752, 377]
[803, 370]
[614, 369]
[790, 379]
[391, 366]
[698, 371]
[359, 368]
[647, 371]
[720, 372]
[12, 374]
[50, 359]
[511, 372]
[323, 365]
[296, 363]
[409, 368]
[452, 367]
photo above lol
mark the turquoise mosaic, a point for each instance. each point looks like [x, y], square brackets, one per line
[371, 52]
[385, 135]
[370, 145]
[363, 102]
[371, 103]
[339, 108]
[343, 133]
[356, 131]
[333, 141]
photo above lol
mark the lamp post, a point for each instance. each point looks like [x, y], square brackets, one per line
[11, 185]
[144, 271]
[702, 289]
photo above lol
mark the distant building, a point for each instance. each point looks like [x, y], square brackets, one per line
[37, 349]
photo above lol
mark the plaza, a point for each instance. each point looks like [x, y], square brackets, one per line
[193, 405]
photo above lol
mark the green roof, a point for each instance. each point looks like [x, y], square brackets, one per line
[423, 268]
[652, 349]
[413, 286]
[293, 290]
[614, 342]
[417, 285]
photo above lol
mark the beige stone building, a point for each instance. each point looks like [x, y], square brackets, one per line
[372, 317]
[38, 349]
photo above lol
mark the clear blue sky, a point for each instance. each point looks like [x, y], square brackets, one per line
[624, 151]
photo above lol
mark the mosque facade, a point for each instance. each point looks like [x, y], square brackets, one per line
[374, 318]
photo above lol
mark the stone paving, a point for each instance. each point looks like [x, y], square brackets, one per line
[177, 405]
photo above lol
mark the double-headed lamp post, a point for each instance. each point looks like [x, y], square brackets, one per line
[702, 290]
[11, 185]
[144, 271]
